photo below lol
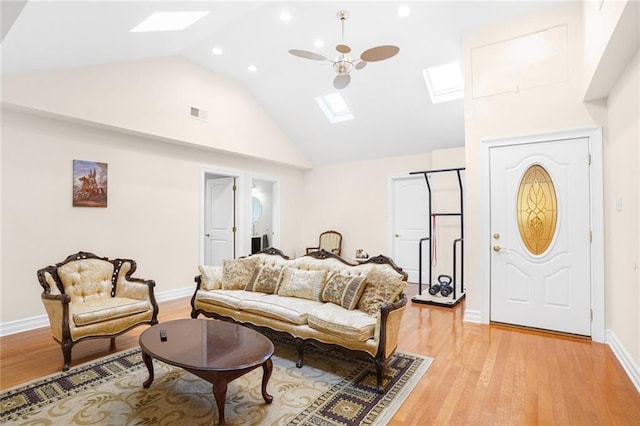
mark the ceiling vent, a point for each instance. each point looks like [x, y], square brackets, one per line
[199, 114]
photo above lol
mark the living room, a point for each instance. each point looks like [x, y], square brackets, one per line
[117, 113]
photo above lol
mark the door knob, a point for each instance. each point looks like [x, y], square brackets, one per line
[397, 235]
[207, 235]
[497, 248]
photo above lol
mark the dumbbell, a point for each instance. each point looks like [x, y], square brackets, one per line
[444, 282]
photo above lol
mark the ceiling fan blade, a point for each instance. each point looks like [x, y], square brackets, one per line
[361, 65]
[307, 55]
[379, 53]
[341, 81]
[343, 48]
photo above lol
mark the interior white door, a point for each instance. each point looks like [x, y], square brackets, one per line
[219, 220]
[410, 224]
[540, 262]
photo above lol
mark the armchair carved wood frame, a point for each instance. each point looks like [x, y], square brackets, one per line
[330, 241]
[87, 296]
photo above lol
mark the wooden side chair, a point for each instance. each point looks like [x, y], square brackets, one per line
[330, 241]
[87, 296]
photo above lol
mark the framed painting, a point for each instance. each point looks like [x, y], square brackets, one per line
[90, 184]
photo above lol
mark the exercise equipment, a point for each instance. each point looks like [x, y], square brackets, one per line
[443, 287]
[447, 285]
[444, 281]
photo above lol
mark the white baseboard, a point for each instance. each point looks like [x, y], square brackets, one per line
[628, 363]
[26, 324]
[18, 326]
[164, 296]
[472, 316]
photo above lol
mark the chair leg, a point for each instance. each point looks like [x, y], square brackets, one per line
[380, 367]
[112, 345]
[66, 354]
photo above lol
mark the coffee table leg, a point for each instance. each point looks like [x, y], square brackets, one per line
[148, 361]
[220, 394]
[267, 368]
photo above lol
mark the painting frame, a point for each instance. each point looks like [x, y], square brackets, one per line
[90, 184]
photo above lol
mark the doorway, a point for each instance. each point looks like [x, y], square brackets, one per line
[409, 219]
[220, 216]
[543, 226]
[264, 214]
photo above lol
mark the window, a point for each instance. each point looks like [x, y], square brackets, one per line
[334, 107]
[444, 82]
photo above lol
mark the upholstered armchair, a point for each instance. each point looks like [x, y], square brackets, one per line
[87, 296]
[330, 241]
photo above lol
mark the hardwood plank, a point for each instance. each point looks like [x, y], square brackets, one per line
[482, 374]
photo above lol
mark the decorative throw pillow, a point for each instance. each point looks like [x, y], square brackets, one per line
[265, 280]
[237, 273]
[380, 288]
[344, 290]
[302, 283]
[210, 277]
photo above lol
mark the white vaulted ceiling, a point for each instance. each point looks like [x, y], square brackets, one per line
[393, 113]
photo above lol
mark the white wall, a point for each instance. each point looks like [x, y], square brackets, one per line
[622, 212]
[153, 97]
[544, 109]
[352, 199]
[152, 216]
[611, 36]
[559, 107]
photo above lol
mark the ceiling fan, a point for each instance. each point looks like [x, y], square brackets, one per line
[343, 63]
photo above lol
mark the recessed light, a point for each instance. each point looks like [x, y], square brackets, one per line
[252, 68]
[404, 11]
[168, 21]
[285, 16]
[216, 51]
[318, 42]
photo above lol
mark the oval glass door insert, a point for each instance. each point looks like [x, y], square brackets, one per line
[537, 209]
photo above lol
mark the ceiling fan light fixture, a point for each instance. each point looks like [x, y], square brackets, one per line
[343, 64]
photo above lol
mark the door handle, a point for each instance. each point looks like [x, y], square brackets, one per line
[207, 235]
[397, 235]
[497, 248]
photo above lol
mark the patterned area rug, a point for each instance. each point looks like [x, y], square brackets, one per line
[330, 389]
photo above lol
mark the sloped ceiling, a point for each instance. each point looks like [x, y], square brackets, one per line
[393, 113]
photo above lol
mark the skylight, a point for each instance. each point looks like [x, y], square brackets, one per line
[334, 107]
[444, 82]
[168, 21]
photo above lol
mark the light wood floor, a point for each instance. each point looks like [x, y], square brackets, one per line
[482, 375]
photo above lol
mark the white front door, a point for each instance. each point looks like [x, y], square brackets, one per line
[410, 223]
[540, 228]
[219, 220]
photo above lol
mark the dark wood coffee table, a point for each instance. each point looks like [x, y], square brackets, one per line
[213, 350]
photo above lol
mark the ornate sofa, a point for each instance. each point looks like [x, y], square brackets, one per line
[319, 298]
[87, 296]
